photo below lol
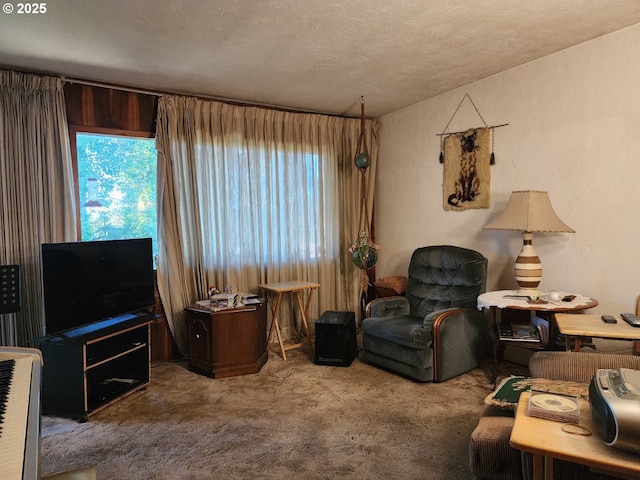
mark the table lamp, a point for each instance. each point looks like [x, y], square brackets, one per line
[529, 211]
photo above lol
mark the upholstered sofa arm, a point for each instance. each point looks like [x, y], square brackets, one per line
[388, 307]
[491, 457]
[577, 366]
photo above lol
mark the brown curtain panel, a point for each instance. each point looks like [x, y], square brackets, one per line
[37, 204]
[253, 195]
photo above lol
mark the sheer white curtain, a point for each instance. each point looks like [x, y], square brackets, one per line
[37, 204]
[252, 195]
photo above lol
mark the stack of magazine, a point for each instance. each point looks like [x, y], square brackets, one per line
[221, 301]
[249, 299]
[226, 301]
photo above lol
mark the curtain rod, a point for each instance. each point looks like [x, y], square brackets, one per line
[158, 93]
[111, 86]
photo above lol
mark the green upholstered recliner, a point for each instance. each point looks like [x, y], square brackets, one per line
[435, 332]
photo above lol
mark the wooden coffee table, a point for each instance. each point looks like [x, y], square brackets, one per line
[582, 325]
[547, 439]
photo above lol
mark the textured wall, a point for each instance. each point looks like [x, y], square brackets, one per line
[574, 124]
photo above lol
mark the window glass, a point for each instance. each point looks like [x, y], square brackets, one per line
[117, 187]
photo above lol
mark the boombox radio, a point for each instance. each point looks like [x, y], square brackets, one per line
[614, 396]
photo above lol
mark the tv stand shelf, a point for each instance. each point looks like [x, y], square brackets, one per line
[90, 367]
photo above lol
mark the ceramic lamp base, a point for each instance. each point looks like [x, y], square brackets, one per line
[528, 268]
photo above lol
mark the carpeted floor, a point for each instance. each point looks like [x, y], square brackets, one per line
[292, 420]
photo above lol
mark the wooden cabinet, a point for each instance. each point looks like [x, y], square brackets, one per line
[228, 342]
[90, 367]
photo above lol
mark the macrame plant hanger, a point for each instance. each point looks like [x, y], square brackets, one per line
[364, 251]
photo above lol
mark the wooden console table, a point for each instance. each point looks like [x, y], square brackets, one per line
[547, 440]
[229, 342]
[593, 326]
[275, 291]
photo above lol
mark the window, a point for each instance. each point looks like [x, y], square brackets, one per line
[258, 206]
[117, 187]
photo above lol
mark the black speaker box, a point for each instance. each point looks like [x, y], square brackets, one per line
[336, 343]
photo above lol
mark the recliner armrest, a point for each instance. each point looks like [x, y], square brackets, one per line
[460, 334]
[431, 317]
[388, 307]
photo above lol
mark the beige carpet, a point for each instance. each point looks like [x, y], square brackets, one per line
[293, 420]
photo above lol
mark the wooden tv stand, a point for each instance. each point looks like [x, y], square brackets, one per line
[90, 367]
[227, 343]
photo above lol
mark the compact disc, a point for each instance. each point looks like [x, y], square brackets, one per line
[553, 403]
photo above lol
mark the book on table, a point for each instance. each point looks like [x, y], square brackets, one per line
[224, 300]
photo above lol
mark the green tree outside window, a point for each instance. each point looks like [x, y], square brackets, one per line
[117, 186]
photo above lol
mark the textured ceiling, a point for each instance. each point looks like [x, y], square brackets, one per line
[316, 55]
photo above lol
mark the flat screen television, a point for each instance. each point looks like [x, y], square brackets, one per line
[85, 282]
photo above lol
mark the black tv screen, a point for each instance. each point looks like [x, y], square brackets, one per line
[89, 281]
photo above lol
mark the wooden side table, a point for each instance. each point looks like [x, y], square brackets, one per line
[548, 439]
[593, 326]
[275, 291]
[229, 342]
[501, 299]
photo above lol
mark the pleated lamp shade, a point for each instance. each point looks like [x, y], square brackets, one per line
[529, 211]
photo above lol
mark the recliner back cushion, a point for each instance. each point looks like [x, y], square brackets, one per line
[445, 277]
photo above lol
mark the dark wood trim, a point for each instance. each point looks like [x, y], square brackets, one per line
[111, 131]
[228, 101]
[100, 107]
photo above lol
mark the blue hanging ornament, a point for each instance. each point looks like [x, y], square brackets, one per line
[362, 160]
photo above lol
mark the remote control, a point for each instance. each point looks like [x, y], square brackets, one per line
[631, 319]
[609, 319]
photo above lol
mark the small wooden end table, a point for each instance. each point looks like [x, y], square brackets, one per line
[592, 326]
[509, 299]
[227, 342]
[546, 440]
[275, 291]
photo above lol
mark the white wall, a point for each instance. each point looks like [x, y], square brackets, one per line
[574, 131]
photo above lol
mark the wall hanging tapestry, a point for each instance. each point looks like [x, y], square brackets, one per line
[467, 157]
[467, 176]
